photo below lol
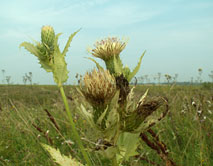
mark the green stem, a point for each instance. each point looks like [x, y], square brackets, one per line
[76, 135]
[114, 162]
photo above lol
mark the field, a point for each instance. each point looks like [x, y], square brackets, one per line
[30, 115]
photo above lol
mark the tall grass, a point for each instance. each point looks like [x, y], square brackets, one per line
[24, 124]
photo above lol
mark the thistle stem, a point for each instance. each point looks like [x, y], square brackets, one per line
[76, 135]
[114, 162]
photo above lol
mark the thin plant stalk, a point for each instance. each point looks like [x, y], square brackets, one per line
[76, 135]
[114, 162]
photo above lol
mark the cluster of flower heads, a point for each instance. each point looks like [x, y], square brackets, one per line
[108, 48]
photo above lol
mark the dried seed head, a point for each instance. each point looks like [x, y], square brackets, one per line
[99, 87]
[143, 111]
[107, 48]
[47, 36]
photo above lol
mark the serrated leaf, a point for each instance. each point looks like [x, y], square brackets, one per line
[45, 65]
[68, 42]
[31, 48]
[99, 121]
[112, 118]
[126, 72]
[97, 64]
[114, 101]
[60, 71]
[35, 51]
[117, 66]
[61, 159]
[87, 116]
[127, 144]
[109, 153]
[56, 39]
[134, 72]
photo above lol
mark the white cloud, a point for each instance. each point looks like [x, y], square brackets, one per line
[92, 14]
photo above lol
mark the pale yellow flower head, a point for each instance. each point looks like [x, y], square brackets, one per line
[99, 87]
[108, 47]
[47, 35]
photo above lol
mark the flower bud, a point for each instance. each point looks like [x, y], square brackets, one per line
[47, 36]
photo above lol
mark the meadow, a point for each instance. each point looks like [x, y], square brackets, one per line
[34, 114]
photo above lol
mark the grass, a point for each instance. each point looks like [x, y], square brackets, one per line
[187, 131]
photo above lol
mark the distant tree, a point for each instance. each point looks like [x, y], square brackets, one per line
[30, 78]
[3, 72]
[155, 78]
[211, 75]
[159, 77]
[175, 77]
[192, 80]
[8, 78]
[146, 77]
[141, 79]
[24, 78]
[200, 72]
[168, 78]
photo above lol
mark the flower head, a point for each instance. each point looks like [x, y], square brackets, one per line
[99, 87]
[108, 47]
[47, 36]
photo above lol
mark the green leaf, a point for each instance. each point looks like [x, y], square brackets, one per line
[60, 71]
[97, 64]
[108, 153]
[68, 42]
[56, 39]
[31, 48]
[134, 72]
[126, 72]
[87, 116]
[43, 60]
[61, 159]
[100, 119]
[127, 144]
[112, 118]
[117, 66]
[45, 65]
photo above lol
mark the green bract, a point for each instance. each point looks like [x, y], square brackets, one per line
[49, 55]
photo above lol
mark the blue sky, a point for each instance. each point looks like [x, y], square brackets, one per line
[177, 34]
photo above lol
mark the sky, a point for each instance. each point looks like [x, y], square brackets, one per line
[176, 34]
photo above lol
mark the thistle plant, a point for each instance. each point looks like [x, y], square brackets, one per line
[53, 60]
[109, 105]
[114, 114]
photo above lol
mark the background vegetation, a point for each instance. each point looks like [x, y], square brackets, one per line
[30, 114]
